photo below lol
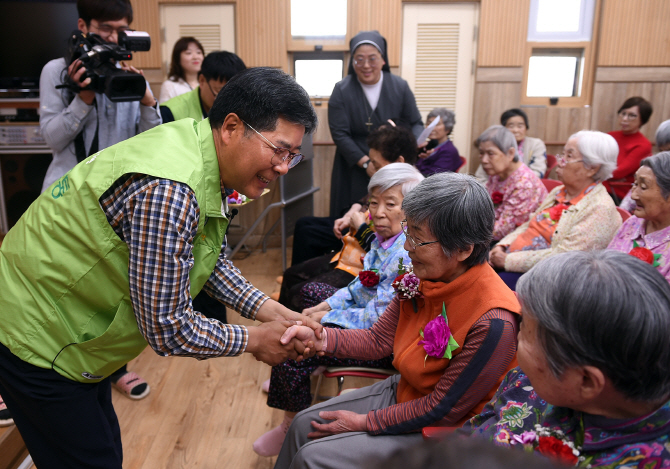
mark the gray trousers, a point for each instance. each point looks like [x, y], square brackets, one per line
[346, 450]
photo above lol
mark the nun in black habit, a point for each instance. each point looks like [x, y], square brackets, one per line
[365, 99]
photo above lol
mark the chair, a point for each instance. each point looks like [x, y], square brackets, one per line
[551, 164]
[625, 214]
[340, 372]
[463, 163]
[550, 183]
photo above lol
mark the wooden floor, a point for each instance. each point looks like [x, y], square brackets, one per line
[204, 414]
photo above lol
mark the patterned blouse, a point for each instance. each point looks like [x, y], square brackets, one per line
[515, 199]
[543, 225]
[643, 442]
[588, 224]
[359, 307]
[658, 242]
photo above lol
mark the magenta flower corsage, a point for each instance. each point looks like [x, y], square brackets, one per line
[438, 341]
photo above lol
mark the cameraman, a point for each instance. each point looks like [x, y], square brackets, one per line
[77, 125]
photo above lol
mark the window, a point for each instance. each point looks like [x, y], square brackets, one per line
[559, 53]
[318, 19]
[560, 20]
[555, 73]
[318, 72]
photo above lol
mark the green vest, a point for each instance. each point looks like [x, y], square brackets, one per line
[65, 301]
[186, 105]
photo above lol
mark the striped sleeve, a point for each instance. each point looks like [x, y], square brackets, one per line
[158, 220]
[488, 350]
[366, 344]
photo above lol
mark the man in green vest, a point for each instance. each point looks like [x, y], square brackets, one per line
[108, 258]
[216, 70]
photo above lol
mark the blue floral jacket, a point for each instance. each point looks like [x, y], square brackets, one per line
[359, 307]
[640, 443]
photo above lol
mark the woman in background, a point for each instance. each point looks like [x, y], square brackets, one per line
[365, 99]
[444, 156]
[633, 146]
[515, 190]
[532, 151]
[187, 57]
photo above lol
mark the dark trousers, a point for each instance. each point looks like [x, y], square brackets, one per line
[312, 237]
[64, 423]
[319, 269]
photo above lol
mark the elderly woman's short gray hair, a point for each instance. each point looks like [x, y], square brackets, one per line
[447, 117]
[605, 309]
[501, 137]
[457, 210]
[597, 149]
[394, 174]
[663, 135]
[660, 166]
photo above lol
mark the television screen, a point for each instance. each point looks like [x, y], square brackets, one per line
[31, 34]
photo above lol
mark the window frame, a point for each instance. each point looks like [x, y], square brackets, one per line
[583, 34]
[316, 44]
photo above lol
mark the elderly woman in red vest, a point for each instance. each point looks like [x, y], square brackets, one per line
[452, 330]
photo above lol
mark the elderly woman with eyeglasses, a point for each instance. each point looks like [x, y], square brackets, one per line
[577, 216]
[365, 99]
[357, 305]
[514, 188]
[442, 155]
[646, 234]
[593, 383]
[452, 331]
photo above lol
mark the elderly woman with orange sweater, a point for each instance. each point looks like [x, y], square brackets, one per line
[452, 330]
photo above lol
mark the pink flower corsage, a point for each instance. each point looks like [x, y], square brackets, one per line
[551, 443]
[438, 341]
[236, 198]
[406, 284]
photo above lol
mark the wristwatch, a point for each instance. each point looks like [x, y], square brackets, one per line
[366, 164]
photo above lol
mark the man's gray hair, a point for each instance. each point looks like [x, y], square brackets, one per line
[663, 134]
[501, 137]
[660, 166]
[605, 309]
[447, 117]
[597, 149]
[457, 210]
[395, 174]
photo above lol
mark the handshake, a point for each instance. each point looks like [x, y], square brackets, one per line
[277, 341]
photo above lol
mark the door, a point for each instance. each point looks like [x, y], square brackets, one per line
[213, 25]
[438, 62]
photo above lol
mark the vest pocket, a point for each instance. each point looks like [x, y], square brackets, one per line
[92, 360]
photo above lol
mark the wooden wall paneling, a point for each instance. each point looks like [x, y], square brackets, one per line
[634, 33]
[563, 122]
[324, 154]
[383, 15]
[262, 28]
[146, 17]
[633, 74]
[608, 97]
[503, 30]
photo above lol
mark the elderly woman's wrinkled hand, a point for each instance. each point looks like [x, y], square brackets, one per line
[306, 336]
[343, 421]
[356, 220]
[497, 257]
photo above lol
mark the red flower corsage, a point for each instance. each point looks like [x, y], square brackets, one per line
[645, 255]
[369, 278]
[497, 197]
[554, 448]
[556, 212]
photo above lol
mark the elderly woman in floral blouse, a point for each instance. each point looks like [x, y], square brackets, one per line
[646, 234]
[515, 190]
[577, 216]
[357, 306]
[593, 383]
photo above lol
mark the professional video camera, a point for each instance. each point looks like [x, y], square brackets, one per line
[99, 58]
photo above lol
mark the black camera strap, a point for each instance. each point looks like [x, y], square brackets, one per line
[80, 146]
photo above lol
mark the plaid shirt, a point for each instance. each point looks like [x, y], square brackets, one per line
[158, 220]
